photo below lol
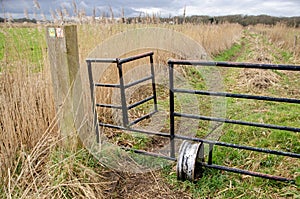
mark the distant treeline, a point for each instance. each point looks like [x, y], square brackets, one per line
[20, 20]
[244, 20]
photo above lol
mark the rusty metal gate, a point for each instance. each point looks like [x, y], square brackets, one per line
[191, 160]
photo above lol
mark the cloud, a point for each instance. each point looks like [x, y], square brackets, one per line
[162, 7]
[247, 7]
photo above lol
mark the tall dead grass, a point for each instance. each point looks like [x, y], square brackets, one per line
[213, 38]
[26, 104]
[32, 163]
[26, 111]
[283, 37]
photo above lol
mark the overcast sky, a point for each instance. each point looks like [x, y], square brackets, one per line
[165, 8]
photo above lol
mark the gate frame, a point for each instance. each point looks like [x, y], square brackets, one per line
[211, 144]
[122, 86]
[171, 135]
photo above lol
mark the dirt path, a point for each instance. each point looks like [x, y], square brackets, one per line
[147, 185]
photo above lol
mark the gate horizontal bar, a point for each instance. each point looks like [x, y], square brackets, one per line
[134, 130]
[107, 85]
[120, 61]
[236, 64]
[270, 126]
[246, 172]
[148, 153]
[101, 60]
[140, 102]
[109, 106]
[236, 146]
[234, 95]
[217, 143]
[126, 86]
[128, 59]
[138, 81]
[142, 118]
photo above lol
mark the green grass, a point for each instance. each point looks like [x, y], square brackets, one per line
[28, 45]
[2, 45]
[218, 184]
[229, 54]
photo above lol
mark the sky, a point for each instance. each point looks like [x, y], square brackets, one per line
[164, 8]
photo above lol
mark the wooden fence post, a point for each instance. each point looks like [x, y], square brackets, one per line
[65, 72]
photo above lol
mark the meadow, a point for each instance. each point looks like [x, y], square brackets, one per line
[33, 164]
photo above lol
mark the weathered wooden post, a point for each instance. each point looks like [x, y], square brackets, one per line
[65, 71]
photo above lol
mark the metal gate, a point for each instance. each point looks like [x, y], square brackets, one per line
[191, 160]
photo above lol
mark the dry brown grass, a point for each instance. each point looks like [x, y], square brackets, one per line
[283, 37]
[32, 163]
[214, 38]
[26, 104]
[26, 111]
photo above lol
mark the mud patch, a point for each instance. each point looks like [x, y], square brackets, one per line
[146, 185]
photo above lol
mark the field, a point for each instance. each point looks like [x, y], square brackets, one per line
[33, 163]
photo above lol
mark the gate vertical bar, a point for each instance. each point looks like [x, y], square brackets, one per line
[153, 83]
[171, 98]
[92, 87]
[123, 97]
[210, 153]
